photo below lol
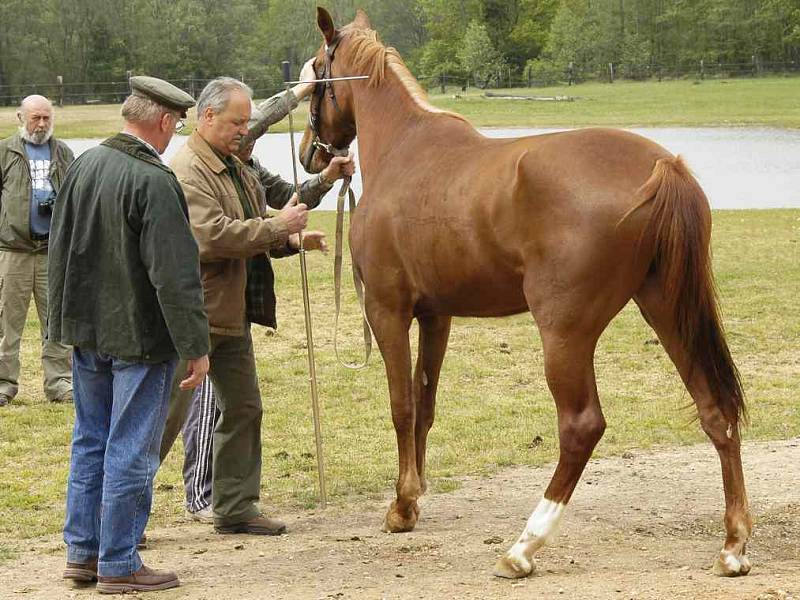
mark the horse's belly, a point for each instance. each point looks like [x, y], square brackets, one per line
[497, 295]
[438, 264]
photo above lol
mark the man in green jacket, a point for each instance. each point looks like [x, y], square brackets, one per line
[125, 291]
[32, 167]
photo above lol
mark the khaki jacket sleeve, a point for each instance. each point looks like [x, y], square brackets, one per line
[220, 236]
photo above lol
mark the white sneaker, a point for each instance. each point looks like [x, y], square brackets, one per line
[204, 515]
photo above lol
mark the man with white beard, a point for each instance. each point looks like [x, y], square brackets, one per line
[32, 167]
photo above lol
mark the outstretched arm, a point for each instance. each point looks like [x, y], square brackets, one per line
[278, 106]
[278, 191]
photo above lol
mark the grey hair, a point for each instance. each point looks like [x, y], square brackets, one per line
[140, 109]
[217, 94]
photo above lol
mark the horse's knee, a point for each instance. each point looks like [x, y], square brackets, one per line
[404, 422]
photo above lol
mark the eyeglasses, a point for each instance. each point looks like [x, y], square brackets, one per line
[179, 122]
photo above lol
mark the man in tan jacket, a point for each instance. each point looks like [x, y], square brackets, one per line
[197, 428]
[233, 234]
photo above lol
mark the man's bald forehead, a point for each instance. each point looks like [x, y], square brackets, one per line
[36, 102]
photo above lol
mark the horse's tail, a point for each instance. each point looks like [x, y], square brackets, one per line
[680, 225]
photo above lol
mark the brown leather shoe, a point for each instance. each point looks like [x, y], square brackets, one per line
[259, 525]
[81, 572]
[144, 580]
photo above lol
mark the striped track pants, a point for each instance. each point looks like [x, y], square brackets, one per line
[198, 435]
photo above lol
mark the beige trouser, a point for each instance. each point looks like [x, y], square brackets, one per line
[23, 274]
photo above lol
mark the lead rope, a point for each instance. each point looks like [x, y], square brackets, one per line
[357, 281]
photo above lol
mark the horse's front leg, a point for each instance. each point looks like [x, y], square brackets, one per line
[433, 334]
[390, 326]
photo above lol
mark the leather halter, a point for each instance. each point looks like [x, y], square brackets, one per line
[317, 96]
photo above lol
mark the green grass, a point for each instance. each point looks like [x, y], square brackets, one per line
[770, 101]
[491, 404]
[732, 103]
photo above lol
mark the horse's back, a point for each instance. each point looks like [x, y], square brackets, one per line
[592, 166]
[565, 187]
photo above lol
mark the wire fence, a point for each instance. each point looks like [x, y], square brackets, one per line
[572, 74]
[115, 92]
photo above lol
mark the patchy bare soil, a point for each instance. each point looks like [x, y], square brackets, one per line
[644, 526]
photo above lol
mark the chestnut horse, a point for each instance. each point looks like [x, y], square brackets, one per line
[569, 226]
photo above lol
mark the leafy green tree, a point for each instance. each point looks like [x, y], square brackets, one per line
[99, 40]
[446, 23]
[478, 55]
[401, 24]
[531, 31]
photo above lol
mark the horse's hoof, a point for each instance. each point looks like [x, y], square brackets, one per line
[511, 568]
[395, 522]
[730, 565]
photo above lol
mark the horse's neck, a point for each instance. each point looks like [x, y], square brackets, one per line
[387, 115]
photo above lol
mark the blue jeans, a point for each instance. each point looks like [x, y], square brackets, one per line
[120, 411]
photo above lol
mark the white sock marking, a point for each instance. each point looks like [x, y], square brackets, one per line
[541, 527]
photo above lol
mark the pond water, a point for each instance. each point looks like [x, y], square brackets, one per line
[738, 168]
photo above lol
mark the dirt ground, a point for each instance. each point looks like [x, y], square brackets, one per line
[644, 525]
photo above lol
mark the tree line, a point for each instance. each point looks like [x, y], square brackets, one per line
[103, 40]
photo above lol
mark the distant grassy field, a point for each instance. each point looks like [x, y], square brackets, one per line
[731, 103]
[493, 408]
[770, 102]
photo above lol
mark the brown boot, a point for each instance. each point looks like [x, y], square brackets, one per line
[81, 572]
[144, 580]
[259, 525]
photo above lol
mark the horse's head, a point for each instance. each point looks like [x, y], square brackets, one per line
[331, 124]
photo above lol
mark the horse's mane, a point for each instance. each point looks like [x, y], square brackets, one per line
[371, 57]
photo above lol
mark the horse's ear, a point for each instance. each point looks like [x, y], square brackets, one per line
[362, 20]
[325, 24]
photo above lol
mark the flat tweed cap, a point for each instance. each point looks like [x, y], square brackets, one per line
[162, 92]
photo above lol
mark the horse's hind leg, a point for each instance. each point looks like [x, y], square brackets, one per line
[433, 334]
[568, 355]
[732, 560]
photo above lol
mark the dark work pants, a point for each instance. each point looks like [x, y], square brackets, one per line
[236, 466]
